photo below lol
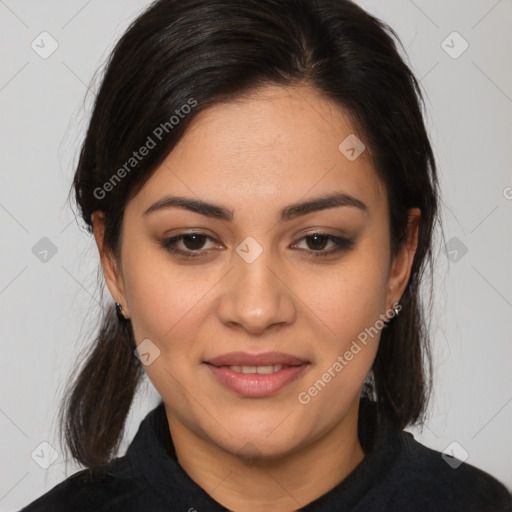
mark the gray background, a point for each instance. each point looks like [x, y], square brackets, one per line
[48, 306]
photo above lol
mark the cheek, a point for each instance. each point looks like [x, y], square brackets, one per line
[350, 309]
[349, 301]
[167, 308]
[171, 307]
[161, 296]
[350, 296]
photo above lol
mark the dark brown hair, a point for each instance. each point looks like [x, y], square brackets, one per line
[201, 52]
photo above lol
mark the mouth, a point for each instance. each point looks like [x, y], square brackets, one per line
[243, 359]
[256, 375]
[260, 370]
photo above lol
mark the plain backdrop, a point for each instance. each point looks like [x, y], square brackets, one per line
[49, 304]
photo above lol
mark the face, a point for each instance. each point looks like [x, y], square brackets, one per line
[254, 275]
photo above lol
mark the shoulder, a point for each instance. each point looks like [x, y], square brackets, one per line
[424, 478]
[93, 490]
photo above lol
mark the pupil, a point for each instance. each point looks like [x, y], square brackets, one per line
[318, 238]
[197, 241]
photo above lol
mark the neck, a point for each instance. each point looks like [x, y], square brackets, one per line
[280, 484]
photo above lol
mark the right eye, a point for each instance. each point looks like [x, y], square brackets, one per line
[192, 244]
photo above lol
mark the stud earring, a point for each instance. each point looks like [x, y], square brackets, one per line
[120, 312]
[396, 311]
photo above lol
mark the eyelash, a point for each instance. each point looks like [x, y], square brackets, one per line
[341, 244]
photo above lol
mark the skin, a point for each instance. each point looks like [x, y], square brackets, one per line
[255, 156]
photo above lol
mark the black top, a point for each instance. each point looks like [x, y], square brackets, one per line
[397, 474]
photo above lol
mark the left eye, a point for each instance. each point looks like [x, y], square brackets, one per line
[318, 241]
[193, 244]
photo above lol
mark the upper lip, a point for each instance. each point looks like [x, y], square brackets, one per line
[264, 359]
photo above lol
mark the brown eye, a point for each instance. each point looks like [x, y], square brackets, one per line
[194, 241]
[188, 245]
[317, 242]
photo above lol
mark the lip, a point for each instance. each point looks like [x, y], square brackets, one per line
[255, 384]
[264, 359]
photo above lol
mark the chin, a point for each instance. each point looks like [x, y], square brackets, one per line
[253, 444]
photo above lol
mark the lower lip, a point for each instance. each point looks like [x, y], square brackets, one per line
[255, 384]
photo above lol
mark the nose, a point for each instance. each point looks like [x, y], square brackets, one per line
[256, 296]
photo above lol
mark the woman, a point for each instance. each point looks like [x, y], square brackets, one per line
[263, 195]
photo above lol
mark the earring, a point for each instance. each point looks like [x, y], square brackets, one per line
[120, 312]
[396, 311]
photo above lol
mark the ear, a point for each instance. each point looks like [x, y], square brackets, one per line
[110, 266]
[402, 262]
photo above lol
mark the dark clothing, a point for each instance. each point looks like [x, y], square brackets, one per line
[397, 474]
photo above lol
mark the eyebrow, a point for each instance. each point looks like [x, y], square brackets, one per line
[289, 212]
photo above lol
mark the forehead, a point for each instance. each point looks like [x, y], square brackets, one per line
[275, 146]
